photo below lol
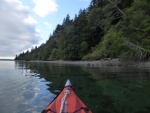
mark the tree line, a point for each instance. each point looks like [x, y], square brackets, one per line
[102, 30]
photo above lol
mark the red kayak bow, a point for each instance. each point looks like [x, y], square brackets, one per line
[67, 102]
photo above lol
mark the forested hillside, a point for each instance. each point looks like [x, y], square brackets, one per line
[106, 29]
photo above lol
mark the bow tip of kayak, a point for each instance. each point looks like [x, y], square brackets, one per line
[68, 83]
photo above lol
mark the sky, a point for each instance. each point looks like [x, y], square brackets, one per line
[28, 23]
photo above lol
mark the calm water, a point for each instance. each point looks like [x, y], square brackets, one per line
[104, 90]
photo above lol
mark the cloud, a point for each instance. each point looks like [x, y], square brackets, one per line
[45, 7]
[17, 27]
[48, 25]
[30, 20]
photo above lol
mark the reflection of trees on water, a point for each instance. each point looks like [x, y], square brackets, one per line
[26, 68]
[107, 90]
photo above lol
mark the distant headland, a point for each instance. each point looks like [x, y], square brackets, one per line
[6, 59]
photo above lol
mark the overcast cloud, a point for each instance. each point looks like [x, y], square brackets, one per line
[44, 8]
[17, 28]
[19, 31]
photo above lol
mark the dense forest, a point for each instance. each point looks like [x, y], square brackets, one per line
[105, 29]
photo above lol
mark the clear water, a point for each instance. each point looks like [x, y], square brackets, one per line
[29, 87]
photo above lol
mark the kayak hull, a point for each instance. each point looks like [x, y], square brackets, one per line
[67, 102]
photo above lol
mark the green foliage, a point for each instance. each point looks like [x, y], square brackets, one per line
[134, 28]
[84, 47]
[54, 54]
[102, 30]
[112, 46]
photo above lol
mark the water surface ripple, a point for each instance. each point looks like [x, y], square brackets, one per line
[28, 87]
[21, 92]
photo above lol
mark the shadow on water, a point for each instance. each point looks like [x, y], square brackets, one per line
[104, 90]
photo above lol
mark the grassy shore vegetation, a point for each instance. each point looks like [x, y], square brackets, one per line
[106, 29]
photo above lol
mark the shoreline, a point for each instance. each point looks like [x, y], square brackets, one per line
[101, 63]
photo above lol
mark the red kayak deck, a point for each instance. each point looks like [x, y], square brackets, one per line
[67, 102]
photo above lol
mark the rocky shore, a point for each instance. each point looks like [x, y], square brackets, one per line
[102, 63]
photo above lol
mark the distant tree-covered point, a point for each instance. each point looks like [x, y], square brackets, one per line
[106, 29]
